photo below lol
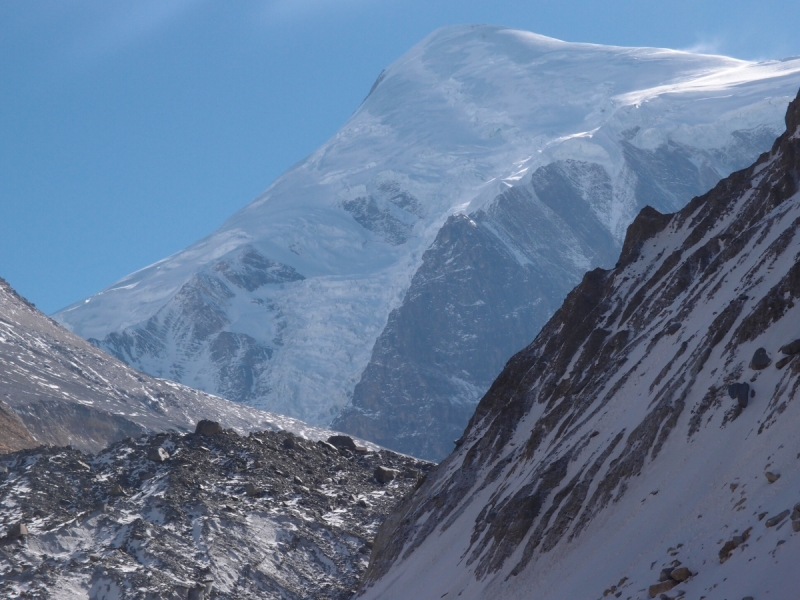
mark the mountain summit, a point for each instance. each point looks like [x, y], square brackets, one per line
[385, 280]
[647, 439]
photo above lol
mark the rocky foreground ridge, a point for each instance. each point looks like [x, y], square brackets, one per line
[194, 516]
[650, 426]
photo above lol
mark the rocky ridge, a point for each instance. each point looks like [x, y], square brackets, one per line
[62, 390]
[195, 516]
[651, 425]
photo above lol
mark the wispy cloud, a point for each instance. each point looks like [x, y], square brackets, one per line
[123, 24]
[288, 10]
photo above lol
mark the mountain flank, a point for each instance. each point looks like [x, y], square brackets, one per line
[58, 389]
[649, 427]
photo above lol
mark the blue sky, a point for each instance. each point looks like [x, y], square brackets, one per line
[128, 130]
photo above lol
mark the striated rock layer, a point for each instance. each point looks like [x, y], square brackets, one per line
[617, 444]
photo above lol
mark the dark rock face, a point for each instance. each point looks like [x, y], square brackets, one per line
[541, 453]
[222, 517]
[491, 280]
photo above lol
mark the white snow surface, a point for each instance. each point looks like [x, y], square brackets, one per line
[466, 113]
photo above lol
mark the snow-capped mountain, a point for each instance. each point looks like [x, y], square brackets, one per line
[645, 444]
[56, 388]
[385, 280]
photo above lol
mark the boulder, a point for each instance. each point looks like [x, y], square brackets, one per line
[795, 526]
[289, 443]
[740, 392]
[772, 477]
[16, 531]
[791, 348]
[661, 588]
[772, 521]
[158, 454]
[783, 362]
[761, 360]
[385, 474]
[208, 428]
[251, 490]
[116, 490]
[342, 442]
[680, 574]
[665, 574]
[327, 446]
[730, 546]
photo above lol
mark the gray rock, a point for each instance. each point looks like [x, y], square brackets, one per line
[740, 392]
[772, 521]
[795, 526]
[289, 443]
[783, 362]
[327, 446]
[251, 490]
[665, 574]
[342, 442]
[385, 474]
[16, 531]
[660, 588]
[680, 574]
[158, 454]
[208, 428]
[197, 593]
[761, 360]
[772, 477]
[791, 348]
[116, 490]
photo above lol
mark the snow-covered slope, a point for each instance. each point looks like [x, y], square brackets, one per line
[59, 389]
[549, 148]
[652, 424]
